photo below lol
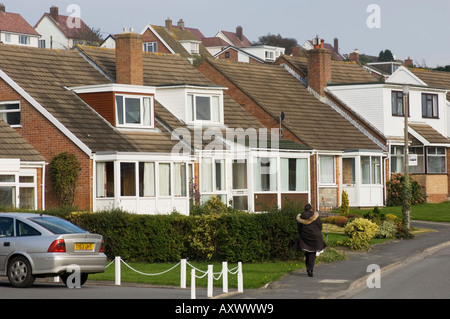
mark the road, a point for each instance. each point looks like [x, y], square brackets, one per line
[428, 278]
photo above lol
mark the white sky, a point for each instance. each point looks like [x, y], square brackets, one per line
[416, 28]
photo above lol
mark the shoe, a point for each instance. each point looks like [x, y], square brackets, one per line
[310, 273]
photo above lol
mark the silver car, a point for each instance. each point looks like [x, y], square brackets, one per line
[36, 245]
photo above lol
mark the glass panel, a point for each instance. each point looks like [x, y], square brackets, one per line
[132, 111]
[128, 179]
[147, 111]
[119, 106]
[7, 178]
[220, 174]
[190, 108]
[26, 197]
[326, 169]
[146, 179]
[302, 175]
[206, 175]
[376, 170]
[239, 174]
[6, 227]
[26, 179]
[202, 108]
[179, 179]
[7, 196]
[365, 169]
[164, 179]
[240, 202]
[348, 170]
[266, 174]
[215, 107]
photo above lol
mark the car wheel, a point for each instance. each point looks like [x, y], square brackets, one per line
[19, 272]
[65, 277]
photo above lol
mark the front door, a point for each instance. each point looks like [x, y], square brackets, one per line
[240, 189]
[349, 179]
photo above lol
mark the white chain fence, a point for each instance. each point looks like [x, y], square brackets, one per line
[183, 265]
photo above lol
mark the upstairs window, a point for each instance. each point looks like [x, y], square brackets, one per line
[134, 111]
[430, 105]
[397, 103]
[24, 39]
[151, 47]
[204, 108]
[10, 112]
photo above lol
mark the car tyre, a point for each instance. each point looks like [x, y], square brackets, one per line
[19, 272]
[83, 279]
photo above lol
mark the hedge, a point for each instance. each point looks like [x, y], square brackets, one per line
[237, 236]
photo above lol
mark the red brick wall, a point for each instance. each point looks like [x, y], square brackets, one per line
[319, 69]
[148, 36]
[49, 141]
[129, 60]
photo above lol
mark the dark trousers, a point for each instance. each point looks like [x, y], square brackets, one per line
[310, 258]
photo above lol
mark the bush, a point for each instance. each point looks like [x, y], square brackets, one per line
[388, 229]
[336, 220]
[64, 169]
[345, 209]
[395, 191]
[360, 231]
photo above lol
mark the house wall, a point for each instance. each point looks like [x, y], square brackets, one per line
[34, 40]
[149, 36]
[49, 141]
[53, 36]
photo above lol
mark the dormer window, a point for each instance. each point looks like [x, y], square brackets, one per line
[204, 108]
[134, 111]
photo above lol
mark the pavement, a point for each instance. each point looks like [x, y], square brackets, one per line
[337, 280]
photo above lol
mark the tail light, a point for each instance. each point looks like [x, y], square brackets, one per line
[102, 247]
[58, 246]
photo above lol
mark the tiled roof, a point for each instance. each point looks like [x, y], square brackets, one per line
[434, 78]
[341, 72]
[46, 74]
[214, 42]
[236, 41]
[429, 133]
[13, 145]
[13, 22]
[313, 122]
[84, 32]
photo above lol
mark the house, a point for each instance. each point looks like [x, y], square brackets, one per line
[235, 46]
[22, 167]
[343, 152]
[334, 49]
[64, 32]
[15, 30]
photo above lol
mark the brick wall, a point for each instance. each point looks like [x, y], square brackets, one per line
[319, 69]
[149, 36]
[129, 60]
[49, 141]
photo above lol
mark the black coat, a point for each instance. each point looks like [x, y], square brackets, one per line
[309, 228]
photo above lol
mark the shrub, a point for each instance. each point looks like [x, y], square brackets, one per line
[360, 231]
[345, 209]
[64, 170]
[395, 191]
[336, 220]
[388, 229]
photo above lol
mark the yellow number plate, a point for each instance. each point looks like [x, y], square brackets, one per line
[84, 246]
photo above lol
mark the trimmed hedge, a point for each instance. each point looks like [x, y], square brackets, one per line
[237, 236]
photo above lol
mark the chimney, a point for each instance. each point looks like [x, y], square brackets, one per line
[169, 24]
[181, 24]
[129, 64]
[2, 8]
[319, 67]
[354, 56]
[239, 32]
[336, 45]
[408, 63]
[54, 13]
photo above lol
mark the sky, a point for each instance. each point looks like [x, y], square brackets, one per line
[409, 28]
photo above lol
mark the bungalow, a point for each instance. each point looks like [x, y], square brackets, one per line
[343, 152]
[14, 29]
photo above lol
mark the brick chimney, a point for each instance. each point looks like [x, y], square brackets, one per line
[336, 45]
[319, 67]
[2, 8]
[54, 13]
[168, 24]
[180, 24]
[408, 63]
[239, 32]
[354, 56]
[129, 64]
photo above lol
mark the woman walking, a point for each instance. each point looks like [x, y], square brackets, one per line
[309, 228]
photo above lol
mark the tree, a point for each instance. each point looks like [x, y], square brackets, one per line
[277, 41]
[443, 68]
[64, 170]
[385, 56]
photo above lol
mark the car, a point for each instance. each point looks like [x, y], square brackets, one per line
[38, 245]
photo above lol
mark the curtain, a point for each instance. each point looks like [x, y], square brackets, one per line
[149, 179]
[147, 111]
[206, 175]
[284, 171]
[101, 179]
[302, 175]
[326, 169]
[220, 175]
[179, 179]
[365, 169]
[190, 107]
[215, 107]
[164, 179]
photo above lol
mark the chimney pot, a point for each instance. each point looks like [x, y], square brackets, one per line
[129, 60]
[54, 12]
[181, 24]
[2, 8]
[169, 24]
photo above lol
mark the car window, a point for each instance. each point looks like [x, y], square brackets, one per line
[6, 227]
[57, 225]
[23, 229]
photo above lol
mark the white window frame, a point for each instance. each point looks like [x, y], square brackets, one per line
[321, 182]
[11, 111]
[142, 124]
[191, 107]
[435, 155]
[153, 46]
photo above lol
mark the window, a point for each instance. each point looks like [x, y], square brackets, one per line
[134, 111]
[265, 174]
[203, 108]
[105, 179]
[348, 171]
[147, 179]
[164, 179]
[6, 227]
[151, 46]
[10, 112]
[239, 174]
[418, 151]
[24, 39]
[269, 55]
[212, 175]
[294, 174]
[23, 229]
[127, 179]
[7, 37]
[397, 159]
[397, 103]
[26, 192]
[42, 44]
[326, 169]
[436, 160]
[370, 170]
[179, 179]
[430, 105]
[8, 191]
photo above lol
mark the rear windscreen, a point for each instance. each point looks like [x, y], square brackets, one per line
[57, 225]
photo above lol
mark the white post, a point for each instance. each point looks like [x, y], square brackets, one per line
[183, 274]
[210, 281]
[225, 276]
[193, 283]
[240, 278]
[117, 266]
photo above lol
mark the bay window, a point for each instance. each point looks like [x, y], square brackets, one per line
[371, 170]
[265, 173]
[294, 174]
[436, 160]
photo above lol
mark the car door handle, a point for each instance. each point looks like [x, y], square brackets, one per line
[6, 244]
